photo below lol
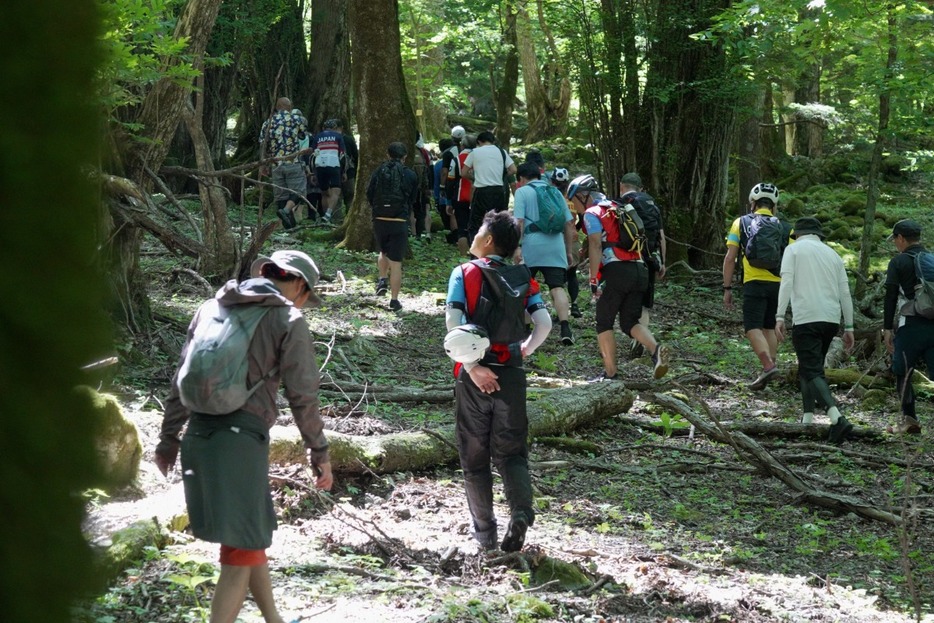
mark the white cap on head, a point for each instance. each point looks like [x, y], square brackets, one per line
[458, 132]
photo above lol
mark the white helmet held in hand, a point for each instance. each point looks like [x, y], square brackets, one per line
[764, 190]
[466, 343]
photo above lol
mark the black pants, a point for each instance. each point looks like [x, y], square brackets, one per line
[914, 341]
[812, 341]
[495, 198]
[494, 427]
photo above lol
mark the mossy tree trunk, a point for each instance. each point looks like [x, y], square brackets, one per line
[327, 93]
[504, 95]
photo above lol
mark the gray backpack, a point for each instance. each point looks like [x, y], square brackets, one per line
[212, 378]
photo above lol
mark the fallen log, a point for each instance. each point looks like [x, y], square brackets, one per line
[788, 430]
[751, 452]
[550, 413]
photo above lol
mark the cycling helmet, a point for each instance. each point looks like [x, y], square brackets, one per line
[582, 183]
[560, 175]
[764, 190]
[458, 132]
[466, 343]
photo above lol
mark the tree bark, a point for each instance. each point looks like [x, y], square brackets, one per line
[382, 108]
[328, 86]
[505, 94]
[543, 113]
[550, 412]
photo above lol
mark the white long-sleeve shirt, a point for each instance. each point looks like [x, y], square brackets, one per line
[814, 282]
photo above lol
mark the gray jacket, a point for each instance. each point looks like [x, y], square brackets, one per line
[282, 339]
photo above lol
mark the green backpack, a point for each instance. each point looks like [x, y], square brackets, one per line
[551, 206]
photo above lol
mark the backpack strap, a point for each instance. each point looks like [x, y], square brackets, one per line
[473, 282]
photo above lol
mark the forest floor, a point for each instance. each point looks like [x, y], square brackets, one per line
[681, 530]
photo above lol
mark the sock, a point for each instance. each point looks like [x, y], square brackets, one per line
[834, 414]
[564, 323]
[807, 418]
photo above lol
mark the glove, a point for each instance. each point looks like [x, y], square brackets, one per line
[166, 454]
[594, 286]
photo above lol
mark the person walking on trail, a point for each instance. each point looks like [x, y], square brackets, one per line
[442, 205]
[814, 282]
[545, 249]
[625, 278]
[329, 150]
[655, 249]
[391, 191]
[560, 178]
[911, 338]
[761, 238]
[225, 457]
[348, 165]
[449, 170]
[462, 195]
[284, 133]
[490, 168]
[489, 343]
[421, 206]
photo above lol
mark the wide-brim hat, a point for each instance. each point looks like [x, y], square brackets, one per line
[809, 225]
[906, 227]
[295, 262]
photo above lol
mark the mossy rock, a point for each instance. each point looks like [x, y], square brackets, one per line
[128, 546]
[840, 233]
[874, 399]
[854, 205]
[569, 576]
[893, 166]
[794, 208]
[117, 439]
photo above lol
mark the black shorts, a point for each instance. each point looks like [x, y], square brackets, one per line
[328, 177]
[760, 303]
[391, 238]
[625, 286]
[554, 277]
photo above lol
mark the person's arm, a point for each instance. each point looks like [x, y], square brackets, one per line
[784, 293]
[595, 255]
[729, 265]
[541, 327]
[663, 247]
[889, 303]
[570, 241]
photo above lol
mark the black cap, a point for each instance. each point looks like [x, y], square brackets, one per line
[907, 228]
[631, 179]
[808, 225]
[397, 151]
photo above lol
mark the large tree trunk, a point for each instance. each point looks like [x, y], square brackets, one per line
[543, 112]
[808, 132]
[550, 412]
[691, 126]
[505, 94]
[748, 149]
[328, 86]
[383, 110]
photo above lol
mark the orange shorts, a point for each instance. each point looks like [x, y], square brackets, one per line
[237, 557]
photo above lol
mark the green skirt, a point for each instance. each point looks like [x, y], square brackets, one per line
[225, 470]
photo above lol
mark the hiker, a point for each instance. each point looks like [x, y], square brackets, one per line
[329, 150]
[911, 339]
[285, 131]
[225, 457]
[625, 278]
[421, 206]
[490, 395]
[488, 167]
[814, 282]
[348, 164]
[560, 178]
[391, 191]
[548, 239]
[462, 194]
[655, 250]
[445, 211]
[449, 170]
[761, 238]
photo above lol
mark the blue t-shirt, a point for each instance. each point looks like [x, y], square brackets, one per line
[436, 190]
[539, 250]
[592, 225]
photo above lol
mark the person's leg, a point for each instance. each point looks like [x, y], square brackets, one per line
[382, 264]
[334, 197]
[509, 447]
[261, 589]
[760, 346]
[472, 409]
[395, 279]
[607, 343]
[641, 334]
[574, 289]
[559, 297]
[903, 363]
[807, 340]
[229, 594]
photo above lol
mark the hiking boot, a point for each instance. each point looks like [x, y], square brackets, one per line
[566, 337]
[763, 379]
[908, 426]
[838, 432]
[604, 377]
[636, 349]
[395, 305]
[660, 359]
[382, 287]
[515, 535]
[575, 311]
[287, 218]
[426, 237]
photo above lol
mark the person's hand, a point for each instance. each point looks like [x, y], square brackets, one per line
[166, 454]
[324, 479]
[661, 271]
[484, 379]
[517, 256]
[888, 339]
[728, 299]
[780, 331]
[449, 210]
[849, 340]
[571, 259]
[594, 290]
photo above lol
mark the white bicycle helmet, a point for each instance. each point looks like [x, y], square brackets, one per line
[764, 190]
[466, 343]
[458, 132]
[582, 183]
[560, 174]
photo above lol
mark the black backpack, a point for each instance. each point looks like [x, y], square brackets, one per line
[389, 200]
[651, 217]
[496, 299]
[763, 239]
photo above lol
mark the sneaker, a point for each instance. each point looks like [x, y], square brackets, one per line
[575, 311]
[326, 219]
[908, 426]
[382, 287]
[395, 305]
[839, 431]
[660, 359]
[604, 377]
[763, 379]
[636, 349]
[426, 237]
[285, 215]
[515, 535]
[566, 337]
